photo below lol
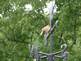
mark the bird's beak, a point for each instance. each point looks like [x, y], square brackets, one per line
[34, 59]
[41, 33]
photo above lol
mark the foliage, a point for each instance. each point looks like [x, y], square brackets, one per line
[20, 28]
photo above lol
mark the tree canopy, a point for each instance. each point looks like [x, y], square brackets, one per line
[20, 27]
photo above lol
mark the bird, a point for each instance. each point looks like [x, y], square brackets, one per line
[45, 30]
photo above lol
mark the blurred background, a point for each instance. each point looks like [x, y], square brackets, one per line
[21, 22]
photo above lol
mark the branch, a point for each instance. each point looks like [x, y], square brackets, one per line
[52, 29]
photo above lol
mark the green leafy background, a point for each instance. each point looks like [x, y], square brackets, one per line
[19, 29]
